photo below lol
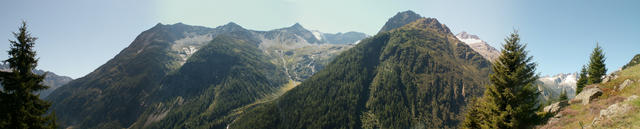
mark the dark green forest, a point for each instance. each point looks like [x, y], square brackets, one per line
[210, 85]
[417, 76]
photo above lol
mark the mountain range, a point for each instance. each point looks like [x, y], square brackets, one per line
[414, 73]
[192, 76]
[417, 75]
[552, 86]
[51, 79]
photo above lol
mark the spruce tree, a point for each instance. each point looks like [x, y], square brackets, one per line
[597, 67]
[20, 107]
[563, 96]
[582, 80]
[473, 116]
[511, 100]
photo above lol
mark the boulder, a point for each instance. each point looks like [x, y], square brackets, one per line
[630, 98]
[625, 84]
[606, 79]
[615, 110]
[555, 107]
[587, 95]
[610, 77]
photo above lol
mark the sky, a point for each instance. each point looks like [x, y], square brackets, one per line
[77, 36]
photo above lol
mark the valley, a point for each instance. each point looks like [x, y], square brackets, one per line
[290, 64]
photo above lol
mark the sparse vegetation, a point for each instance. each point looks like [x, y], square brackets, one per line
[578, 115]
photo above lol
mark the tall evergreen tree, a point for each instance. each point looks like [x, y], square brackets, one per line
[582, 79]
[473, 116]
[20, 107]
[511, 100]
[597, 67]
[563, 96]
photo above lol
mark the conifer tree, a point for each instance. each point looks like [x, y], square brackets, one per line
[582, 80]
[563, 96]
[511, 100]
[473, 116]
[597, 67]
[20, 107]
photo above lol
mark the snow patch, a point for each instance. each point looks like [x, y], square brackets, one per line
[185, 47]
[471, 41]
[317, 34]
[560, 82]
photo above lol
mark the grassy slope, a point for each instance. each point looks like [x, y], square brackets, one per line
[576, 114]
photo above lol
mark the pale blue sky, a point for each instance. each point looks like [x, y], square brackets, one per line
[77, 36]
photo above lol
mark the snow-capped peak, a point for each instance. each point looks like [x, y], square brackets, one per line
[317, 34]
[465, 35]
[553, 86]
[563, 79]
[482, 47]
[468, 38]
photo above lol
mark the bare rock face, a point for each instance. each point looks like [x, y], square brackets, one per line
[487, 51]
[555, 107]
[587, 95]
[606, 79]
[631, 98]
[610, 77]
[624, 84]
[615, 110]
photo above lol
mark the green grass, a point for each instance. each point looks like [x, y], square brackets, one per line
[576, 113]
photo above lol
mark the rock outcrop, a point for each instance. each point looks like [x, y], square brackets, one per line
[555, 107]
[610, 77]
[587, 95]
[624, 84]
[615, 110]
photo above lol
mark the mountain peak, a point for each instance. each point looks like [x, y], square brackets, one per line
[465, 35]
[297, 26]
[159, 24]
[179, 24]
[487, 51]
[429, 23]
[408, 13]
[231, 26]
[399, 20]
